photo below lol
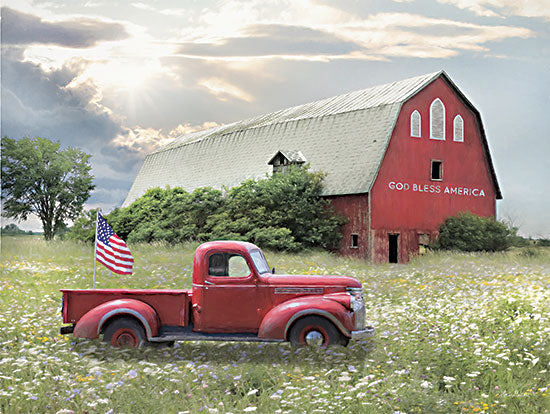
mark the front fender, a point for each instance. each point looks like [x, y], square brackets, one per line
[277, 321]
[93, 321]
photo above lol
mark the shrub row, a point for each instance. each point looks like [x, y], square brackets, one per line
[470, 233]
[282, 212]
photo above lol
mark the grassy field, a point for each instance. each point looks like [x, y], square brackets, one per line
[455, 333]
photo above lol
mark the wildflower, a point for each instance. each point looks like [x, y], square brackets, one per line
[276, 395]
[250, 409]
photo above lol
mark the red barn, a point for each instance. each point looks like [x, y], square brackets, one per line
[399, 159]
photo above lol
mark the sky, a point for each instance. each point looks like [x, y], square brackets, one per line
[119, 79]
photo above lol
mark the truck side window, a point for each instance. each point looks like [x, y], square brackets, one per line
[227, 265]
[217, 265]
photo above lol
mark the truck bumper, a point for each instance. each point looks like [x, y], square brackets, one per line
[363, 333]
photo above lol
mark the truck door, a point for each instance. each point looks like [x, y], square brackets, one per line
[233, 298]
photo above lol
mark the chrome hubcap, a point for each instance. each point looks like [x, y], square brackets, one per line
[314, 338]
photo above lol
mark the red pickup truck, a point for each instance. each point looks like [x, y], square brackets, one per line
[235, 297]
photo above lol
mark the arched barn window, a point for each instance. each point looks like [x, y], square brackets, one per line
[415, 124]
[458, 128]
[437, 119]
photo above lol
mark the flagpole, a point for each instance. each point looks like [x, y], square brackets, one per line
[95, 244]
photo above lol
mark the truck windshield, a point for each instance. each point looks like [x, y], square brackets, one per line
[259, 261]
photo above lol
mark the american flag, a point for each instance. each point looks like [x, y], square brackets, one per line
[111, 249]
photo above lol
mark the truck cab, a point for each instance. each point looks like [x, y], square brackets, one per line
[235, 296]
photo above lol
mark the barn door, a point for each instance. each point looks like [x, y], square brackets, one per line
[393, 248]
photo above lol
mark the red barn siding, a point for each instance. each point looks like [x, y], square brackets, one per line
[422, 205]
[408, 243]
[356, 209]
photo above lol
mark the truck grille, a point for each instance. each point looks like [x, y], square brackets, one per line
[359, 309]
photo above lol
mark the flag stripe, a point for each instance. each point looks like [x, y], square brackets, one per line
[114, 251]
[120, 244]
[113, 259]
[106, 258]
[114, 268]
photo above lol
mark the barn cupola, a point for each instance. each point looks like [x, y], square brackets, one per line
[283, 159]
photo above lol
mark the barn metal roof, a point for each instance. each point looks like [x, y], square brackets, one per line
[353, 101]
[345, 136]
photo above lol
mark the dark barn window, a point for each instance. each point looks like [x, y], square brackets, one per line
[437, 170]
[354, 241]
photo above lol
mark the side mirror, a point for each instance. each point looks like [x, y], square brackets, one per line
[273, 271]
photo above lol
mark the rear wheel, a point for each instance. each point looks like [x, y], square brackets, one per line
[125, 332]
[315, 331]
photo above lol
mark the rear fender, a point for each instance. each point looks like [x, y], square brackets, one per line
[92, 323]
[278, 321]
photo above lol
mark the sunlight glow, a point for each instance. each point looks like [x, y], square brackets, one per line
[223, 90]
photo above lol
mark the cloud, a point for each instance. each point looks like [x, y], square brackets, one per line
[60, 105]
[413, 35]
[273, 40]
[502, 8]
[223, 90]
[39, 102]
[306, 30]
[23, 29]
[166, 12]
[146, 140]
[52, 104]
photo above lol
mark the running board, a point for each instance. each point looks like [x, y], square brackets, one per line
[176, 333]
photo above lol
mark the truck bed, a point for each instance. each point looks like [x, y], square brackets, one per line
[172, 306]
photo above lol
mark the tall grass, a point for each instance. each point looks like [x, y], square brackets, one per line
[454, 333]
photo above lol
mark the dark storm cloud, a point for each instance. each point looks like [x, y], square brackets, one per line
[21, 29]
[35, 102]
[260, 40]
[40, 103]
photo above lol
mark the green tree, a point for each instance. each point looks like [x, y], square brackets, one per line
[83, 228]
[40, 178]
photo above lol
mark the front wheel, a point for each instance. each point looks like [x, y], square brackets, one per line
[315, 331]
[125, 332]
